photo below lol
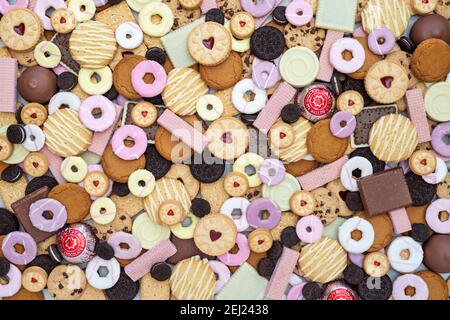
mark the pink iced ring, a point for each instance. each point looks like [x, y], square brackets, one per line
[236, 259]
[118, 238]
[257, 207]
[265, 74]
[40, 221]
[107, 117]
[14, 282]
[432, 216]
[258, 9]
[299, 13]
[129, 153]
[41, 8]
[342, 124]
[437, 139]
[24, 239]
[309, 229]
[223, 274]
[381, 41]
[148, 90]
[5, 6]
[295, 293]
[338, 61]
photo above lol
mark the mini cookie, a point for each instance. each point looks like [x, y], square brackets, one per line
[422, 162]
[229, 7]
[430, 61]
[230, 72]
[340, 192]
[307, 36]
[65, 134]
[242, 25]
[281, 135]
[192, 278]
[443, 8]
[190, 4]
[117, 169]
[370, 59]
[152, 289]
[322, 261]
[215, 234]
[326, 205]
[34, 279]
[423, 7]
[35, 164]
[385, 13]
[144, 114]
[92, 44]
[228, 138]
[215, 194]
[209, 43]
[351, 101]
[247, 61]
[96, 183]
[31, 32]
[122, 222]
[63, 20]
[74, 198]
[170, 212]
[129, 203]
[66, 282]
[376, 264]
[236, 184]
[298, 149]
[184, 87]
[386, 82]
[323, 145]
[181, 16]
[260, 240]
[302, 203]
[393, 138]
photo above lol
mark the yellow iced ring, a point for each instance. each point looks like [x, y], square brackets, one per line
[91, 87]
[156, 9]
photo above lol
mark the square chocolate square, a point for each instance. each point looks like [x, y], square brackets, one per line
[384, 191]
[22, 209]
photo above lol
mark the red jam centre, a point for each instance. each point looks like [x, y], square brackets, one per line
[214, 235]
[144, 113]
[387, 81]
[95, 183]
[303, 203]
[35, 164]
[423, 162]
[170, 213]
[242, 23]
[260, 242]
[236, 185]
[209, 43]
[351, 103]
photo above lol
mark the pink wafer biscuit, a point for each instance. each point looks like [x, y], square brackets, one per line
[416, 109]
[322, 175]
[326, 69]
[360, 33]
[208, 5]
[142, 265]
[101, 139]
[283, 271]
[400, 220]
[260, 21]
[183, 131]
[8, 80]
[54, 164]
[267, 117]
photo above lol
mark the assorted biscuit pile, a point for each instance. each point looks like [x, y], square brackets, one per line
[225, 149]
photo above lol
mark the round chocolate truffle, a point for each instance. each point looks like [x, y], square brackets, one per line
[37, 84]
[430, 26]
[437, 253]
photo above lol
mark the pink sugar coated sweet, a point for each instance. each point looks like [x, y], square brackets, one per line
[326, 69]
[283, 271]
[267, 117]
[400, 220]
[183, 131]
[8, 80]
[142, 265]
[417, 113]
[100, 139]
[322, 175]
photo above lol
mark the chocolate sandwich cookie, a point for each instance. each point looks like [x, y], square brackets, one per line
[267, 43]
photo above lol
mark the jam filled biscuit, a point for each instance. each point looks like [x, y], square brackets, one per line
[33, 113]
[36, 164]
[96, 183]
[302, 203]
[423, 162]
[215, 234]
[260, 240]
[144, 114]
[236, 184]
[171, 212]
